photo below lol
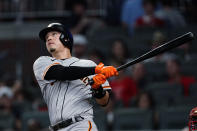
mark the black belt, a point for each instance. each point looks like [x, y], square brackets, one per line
[66, 123]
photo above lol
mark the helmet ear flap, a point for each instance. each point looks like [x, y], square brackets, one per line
[62, 37]
[65, 41]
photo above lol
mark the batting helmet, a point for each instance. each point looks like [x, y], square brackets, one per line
[193, 120]
[66, 37]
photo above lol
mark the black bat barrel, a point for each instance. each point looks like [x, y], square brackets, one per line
[164, 47]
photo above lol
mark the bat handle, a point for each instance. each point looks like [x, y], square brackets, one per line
[121, 67]
[91, 82]
[118, 68]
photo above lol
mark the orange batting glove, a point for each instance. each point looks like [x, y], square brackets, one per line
[99, 68]
[98, 79]
[109, 71]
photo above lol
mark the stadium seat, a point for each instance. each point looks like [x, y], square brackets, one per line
[145, 34]
[173, 118]
[164, 93]
[133, 119]
[106, 32]
[104, 43]
[193, 89]
[189, 68]
[6, 120]
[136, 48]
[156, 70]
[22, 106]
[185, 101]
[41, 117]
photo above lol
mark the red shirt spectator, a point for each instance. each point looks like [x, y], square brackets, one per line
[175, 76]
[124, 89]
[186, 81]
[149, 19]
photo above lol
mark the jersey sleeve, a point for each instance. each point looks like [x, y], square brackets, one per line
[41, 66]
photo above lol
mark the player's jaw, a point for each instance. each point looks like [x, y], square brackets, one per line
[51, 46]
[55, 46]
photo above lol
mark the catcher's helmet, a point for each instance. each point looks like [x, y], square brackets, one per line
[66, 37]
[193, 120]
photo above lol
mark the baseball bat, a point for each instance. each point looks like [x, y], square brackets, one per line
[160, 49]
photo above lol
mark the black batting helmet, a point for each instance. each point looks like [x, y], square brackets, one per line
[66, 37]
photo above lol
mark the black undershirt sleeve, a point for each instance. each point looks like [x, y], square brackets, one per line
[59, 72]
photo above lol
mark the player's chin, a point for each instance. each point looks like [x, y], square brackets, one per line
[52, 50]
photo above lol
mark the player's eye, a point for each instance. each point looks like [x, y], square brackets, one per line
[54, 34]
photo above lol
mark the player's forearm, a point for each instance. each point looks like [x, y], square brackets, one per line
[59, 72]
[104, 100]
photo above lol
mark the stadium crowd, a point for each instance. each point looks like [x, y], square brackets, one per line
[133, 87]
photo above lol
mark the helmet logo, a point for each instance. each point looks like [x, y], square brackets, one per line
[50, 25]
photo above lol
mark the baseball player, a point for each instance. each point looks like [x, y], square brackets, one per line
[193, 120]
[64, 82]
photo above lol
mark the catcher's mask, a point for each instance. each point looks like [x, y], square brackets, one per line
[193, 120]
[66, 37]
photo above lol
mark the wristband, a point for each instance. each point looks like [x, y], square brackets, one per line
[98, 93]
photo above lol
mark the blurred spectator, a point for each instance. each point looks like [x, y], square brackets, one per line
[17, 125]
[139, 76]
[6, 102]
[124, 88]
[113, 12]
[19, 96]
[39, 105]
[175, 76]
[158, 39]
[80, 46]
[131, 10]
[172, 17]
[34, 125]
[185, 129]
[69, 4]
[96, 56]
[149, 19]
[185, 52]
[144, 100]
[79, 22]
[6, 96]
[6, 91]
[17, 86]
[119, 52]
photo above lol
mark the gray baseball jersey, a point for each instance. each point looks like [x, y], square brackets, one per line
[65, 99]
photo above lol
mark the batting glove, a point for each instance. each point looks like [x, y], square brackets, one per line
[108, 71]
[98, 79]
[99, 68]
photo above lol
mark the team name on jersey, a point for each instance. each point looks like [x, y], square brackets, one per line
[85, 80]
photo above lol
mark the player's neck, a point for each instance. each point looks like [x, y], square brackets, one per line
[62, 54]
